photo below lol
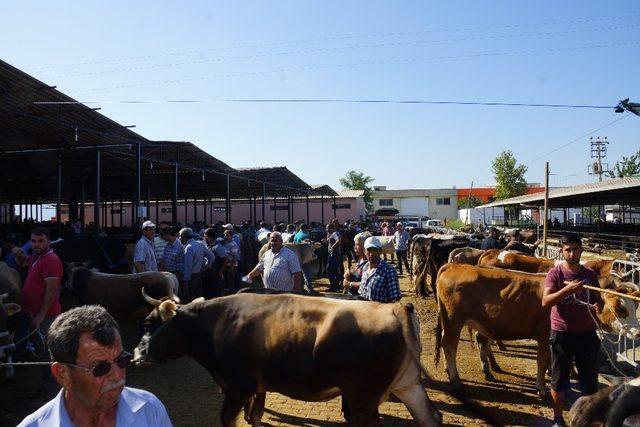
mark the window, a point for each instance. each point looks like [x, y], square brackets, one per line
[386, 202]
[166, 210]
[341, 206]
[443, 200]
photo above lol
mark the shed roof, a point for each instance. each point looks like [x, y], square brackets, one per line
[624, 191]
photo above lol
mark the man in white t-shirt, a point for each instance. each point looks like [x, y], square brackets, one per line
[280, 267]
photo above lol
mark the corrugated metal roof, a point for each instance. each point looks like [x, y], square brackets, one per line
[616, 190]
[351, 193]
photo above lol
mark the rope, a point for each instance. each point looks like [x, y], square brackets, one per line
[27, 336]
[2, 365]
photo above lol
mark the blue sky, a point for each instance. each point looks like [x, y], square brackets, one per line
[578, 52]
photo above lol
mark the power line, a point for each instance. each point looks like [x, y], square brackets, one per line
[339, 48]
[335, 38]
[339, 101]
[355, 64]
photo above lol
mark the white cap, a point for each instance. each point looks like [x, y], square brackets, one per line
[372, 242]
[228, 226]
[147, 224]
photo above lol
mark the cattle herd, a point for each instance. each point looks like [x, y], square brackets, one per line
[314, 348]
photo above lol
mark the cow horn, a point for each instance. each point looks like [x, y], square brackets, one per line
[147, 298]
[3, 296]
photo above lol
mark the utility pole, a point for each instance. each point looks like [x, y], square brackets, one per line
[598, 152]
[546, 209]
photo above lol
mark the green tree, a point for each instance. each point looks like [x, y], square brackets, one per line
[469, 202]
[626, 166]
[509, 177]
[359, 181]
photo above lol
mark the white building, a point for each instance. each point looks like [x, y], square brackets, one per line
[439, 204]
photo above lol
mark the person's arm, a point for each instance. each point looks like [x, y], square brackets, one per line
[50, 293]
[297, 282]
[138, 258]
[551, 297]
[393, 286]
[187, 267]
[209, 257]
[257, 271]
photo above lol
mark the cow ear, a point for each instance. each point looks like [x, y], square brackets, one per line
[167, 310]
[11, 308]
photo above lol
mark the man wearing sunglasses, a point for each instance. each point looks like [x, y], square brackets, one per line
[89, 363]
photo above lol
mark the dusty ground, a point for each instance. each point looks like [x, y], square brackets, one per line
[192, 398]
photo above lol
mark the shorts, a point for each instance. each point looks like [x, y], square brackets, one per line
[581, 347]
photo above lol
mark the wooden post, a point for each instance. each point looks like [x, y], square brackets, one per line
[546, 209]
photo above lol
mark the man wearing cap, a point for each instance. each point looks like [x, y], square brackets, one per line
[144, 256]
[195, 253]
[280, 267]
[401, 245]
[238, 241]
[491, 241]
[379, 280]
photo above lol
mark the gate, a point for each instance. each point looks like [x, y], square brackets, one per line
[628, 350]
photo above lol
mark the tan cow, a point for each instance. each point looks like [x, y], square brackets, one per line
[507, 305]
[516, 261]
[466, 255]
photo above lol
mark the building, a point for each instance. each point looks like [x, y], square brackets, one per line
[439, 204]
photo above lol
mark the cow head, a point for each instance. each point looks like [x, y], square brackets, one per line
[6, 310]
[619, 314]
[162, 339]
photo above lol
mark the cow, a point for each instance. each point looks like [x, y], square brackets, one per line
[466, 255]
[295, 345]
[507, 305]
[10, 282]
[120, 293]
[7, 347]
[516, 261]
[615, 405]
[433, 252]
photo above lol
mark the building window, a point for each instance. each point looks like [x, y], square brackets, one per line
[386, 202]
[166, 210]
[443, 200]
[341, 206]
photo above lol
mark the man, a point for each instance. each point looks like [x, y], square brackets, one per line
[40, 293]
[491, 241]
[9, 250]
[573, 331]
[238, 241]
[213, 278]
[158, 247]
[387, 230]
[280, 267]
[334, 259]
[287, 236]
[515, 244]
[379, 281]
[232, 249]
[302, 234]
[401, 245]
[173, 254]
[352, 278]
[89, 363]
[262, 229]
[196, 257]
[144, 256]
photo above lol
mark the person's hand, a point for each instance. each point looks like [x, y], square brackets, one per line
[573, 286]
[21, 257]
[247, 279]
[36, 321]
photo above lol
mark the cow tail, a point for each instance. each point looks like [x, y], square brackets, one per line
[438, 338]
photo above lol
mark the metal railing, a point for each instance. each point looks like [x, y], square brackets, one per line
[628, 350]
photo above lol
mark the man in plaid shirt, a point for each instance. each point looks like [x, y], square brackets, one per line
[379, 280]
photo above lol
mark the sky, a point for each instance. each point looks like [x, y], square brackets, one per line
[546, 52]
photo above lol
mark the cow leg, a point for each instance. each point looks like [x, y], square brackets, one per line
[450, 339]
[231, 407]
[501, 345]
[492, 360]
[417, 402]
[543, 362]
[254, 409]
[483, 349]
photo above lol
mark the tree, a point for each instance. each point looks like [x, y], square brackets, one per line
[359, 181]
[469, 202]
[626, 166]
[509, 177]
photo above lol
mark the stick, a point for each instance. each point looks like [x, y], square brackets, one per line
[609, 291]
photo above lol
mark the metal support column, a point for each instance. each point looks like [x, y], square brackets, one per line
[307, 201]
[83, 199]
[275, 209]
[264, 193]
[195, 209]
[113, 219]
[96, 200]
[186, 209]
[121, 213]
[59, 195]
[228, 200]
[158, 211]
[204, 210]
[138, 195]
[322, 209]
[174, 200]
[335, 215]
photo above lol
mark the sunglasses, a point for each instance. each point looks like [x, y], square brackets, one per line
[101, 369]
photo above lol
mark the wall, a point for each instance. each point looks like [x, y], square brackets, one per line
[430, 197]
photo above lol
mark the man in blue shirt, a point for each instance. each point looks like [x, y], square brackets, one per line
[302, 234]
[144, 256]
[491, 241]
[90, 365]
[195, 254]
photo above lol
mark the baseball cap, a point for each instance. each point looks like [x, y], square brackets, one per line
[147, 224]
[228, 226]
[372, 242]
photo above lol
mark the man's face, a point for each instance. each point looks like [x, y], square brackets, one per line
[149, 232]
[228, 235]
[358, 247]
[373, 255]
[184, 238]
[571, 253]
[398, 227]
[39, 243]
[276, 242]
[494, 234]
[96, 393]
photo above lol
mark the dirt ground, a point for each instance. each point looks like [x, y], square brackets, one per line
[193, 399]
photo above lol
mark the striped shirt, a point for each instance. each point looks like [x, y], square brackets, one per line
[158, 246]
[279, 268]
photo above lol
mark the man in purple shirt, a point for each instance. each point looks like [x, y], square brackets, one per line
[573, 329]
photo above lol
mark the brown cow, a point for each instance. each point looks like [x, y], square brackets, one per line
[507, 305]
[466, 255]
[296, 345]
[120, 293]
[611, 406]
[516, 261]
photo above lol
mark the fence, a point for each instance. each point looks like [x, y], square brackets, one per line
[628, 350]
